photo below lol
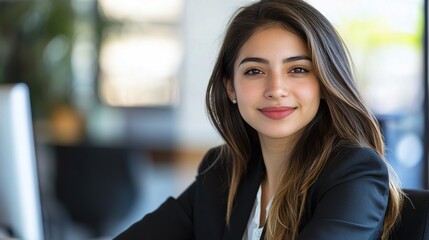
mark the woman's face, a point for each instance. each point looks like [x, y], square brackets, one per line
[274, 83]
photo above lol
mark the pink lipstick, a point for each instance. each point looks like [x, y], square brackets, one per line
[277, 112]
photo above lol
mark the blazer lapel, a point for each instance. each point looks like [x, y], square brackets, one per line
[245, 199]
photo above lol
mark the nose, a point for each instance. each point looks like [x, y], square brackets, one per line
[276, 87]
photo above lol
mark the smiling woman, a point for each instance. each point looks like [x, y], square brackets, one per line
[303, 156]
[273, 75]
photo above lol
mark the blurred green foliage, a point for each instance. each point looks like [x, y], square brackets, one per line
[36, 40]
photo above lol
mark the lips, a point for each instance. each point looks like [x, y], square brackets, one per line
[277, 112]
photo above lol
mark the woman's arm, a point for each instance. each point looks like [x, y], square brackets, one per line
[172, 220]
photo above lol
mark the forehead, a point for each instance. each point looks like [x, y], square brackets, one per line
[271, 42]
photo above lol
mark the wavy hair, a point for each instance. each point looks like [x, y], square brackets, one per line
[342, 117]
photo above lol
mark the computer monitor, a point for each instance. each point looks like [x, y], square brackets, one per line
[20, 208]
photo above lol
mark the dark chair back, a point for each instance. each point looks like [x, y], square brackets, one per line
[414, 223]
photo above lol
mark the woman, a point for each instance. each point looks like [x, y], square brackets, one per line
[303, 156]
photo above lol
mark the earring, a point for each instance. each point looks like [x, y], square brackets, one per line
[234, 101]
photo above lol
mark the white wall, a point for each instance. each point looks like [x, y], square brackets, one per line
[204, 25]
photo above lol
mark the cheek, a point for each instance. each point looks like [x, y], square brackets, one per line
[309, 93]
[246, 91]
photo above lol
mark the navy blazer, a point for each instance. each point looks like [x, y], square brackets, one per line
[347, 201]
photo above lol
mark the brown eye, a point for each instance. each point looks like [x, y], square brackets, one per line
[299, 70]
[253, 72]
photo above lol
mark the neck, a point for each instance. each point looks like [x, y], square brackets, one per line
[275, 153]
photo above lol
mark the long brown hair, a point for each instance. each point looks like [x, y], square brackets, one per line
[342, 118]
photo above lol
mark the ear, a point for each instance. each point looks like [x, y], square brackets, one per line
[229, 86]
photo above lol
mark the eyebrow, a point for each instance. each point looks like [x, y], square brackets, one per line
[265, 61]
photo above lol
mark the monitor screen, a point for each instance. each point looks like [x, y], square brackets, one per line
[20, 209]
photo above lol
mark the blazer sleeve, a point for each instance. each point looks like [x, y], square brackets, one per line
[349, 199]
[173, 219]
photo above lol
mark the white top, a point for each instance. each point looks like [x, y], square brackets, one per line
[253, 231]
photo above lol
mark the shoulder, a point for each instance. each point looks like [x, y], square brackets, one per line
[215, 161]
[210, 158]
[350, 195]
[354, 156]
[351, 163]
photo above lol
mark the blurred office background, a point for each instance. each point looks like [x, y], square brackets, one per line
[117, 90]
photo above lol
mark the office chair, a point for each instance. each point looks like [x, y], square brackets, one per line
[414, 223]
[94, 184]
